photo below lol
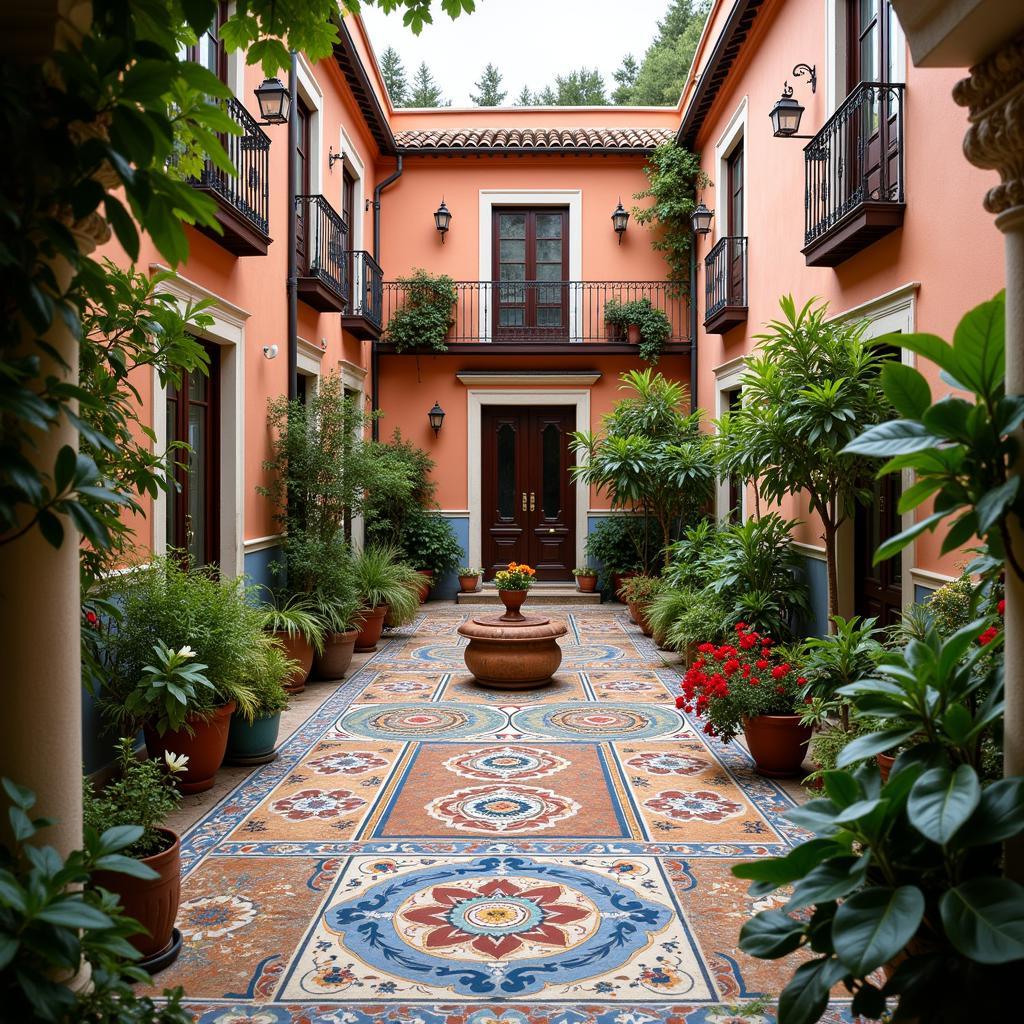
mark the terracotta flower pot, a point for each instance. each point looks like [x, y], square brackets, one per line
[428, 582]
[618, 579]
[370, 624]
[337, 656]
[633, 334]
[205, 748]
[638, 611]
[251, 743]
[152, 902]
[513, 601]
[885, 763]
[778, 743]
[299, 649]
[469, 583]
[586, 584]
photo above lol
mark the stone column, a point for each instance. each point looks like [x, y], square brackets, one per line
[994, 95]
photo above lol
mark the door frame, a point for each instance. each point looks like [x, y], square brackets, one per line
[476, 399]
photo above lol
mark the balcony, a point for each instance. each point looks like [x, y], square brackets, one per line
[725, 285]
[363, 317]
[853, 172]
[243, 199]
[548, 317]
[320, 247]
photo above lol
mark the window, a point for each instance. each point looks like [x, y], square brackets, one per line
[735, 481]
[193, 419]
[737, 229]
[873, 41]
[530, 260]
[209, 48]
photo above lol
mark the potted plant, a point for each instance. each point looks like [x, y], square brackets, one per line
[906, 876]
[614, 326]
[586, 579]
[469, 578]
[646, 326]
[341, 619]
[746, 685]
[429, 545]
[513, 585]
[423, 320]
[383, 584]
[296, 626]
[638, 592]
[252, 736]
[142, 794]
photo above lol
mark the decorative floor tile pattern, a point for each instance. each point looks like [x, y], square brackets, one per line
[425, 851]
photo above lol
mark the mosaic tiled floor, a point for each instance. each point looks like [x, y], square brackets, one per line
[428, 851]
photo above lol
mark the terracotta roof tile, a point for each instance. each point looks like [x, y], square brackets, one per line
[525, 139]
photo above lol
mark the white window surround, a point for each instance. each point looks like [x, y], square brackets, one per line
[733, 136]
[476, 400]
[728, 378]
[353, 378]
[570, 197]
[835, 54]
[227, 332]
[309, 89]
[353, 163]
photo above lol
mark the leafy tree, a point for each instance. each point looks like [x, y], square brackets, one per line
[625, 79]
[425, 92]
[662, 73]
[650, 456]
[525, 98]
[490, 92]
[674, 175]
[810, 387]
[393, 72]
[581, 88]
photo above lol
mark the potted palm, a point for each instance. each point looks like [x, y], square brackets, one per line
[296, 626]
[586, 579]
[383, 583]
[469, 578]
[341, 619]
[252, 736]
[142, 794]
[747, 686]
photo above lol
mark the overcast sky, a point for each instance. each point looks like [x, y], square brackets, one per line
[530, 41]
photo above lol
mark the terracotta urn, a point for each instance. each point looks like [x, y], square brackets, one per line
[469, 583]
[637, 611]
[337, 655]
[426, 583]
[299, 649]
[205, 747]
[586, 584]
[778, 744]
[370, 624]
[512, 653]
[513, 601]
[153, 902]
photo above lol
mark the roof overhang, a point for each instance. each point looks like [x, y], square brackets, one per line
[351, 66]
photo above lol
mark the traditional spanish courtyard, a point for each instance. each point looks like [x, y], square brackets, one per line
[428, 849]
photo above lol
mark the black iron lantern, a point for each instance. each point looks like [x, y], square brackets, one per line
[701, 219]
[786, 114]
[272, 97]
[436, 415]
[442, 218]
[620, 218]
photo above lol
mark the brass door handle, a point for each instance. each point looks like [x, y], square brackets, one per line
[552, 530]
[524, 501]
[533, 501]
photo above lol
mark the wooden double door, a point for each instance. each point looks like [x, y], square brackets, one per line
[528, 496]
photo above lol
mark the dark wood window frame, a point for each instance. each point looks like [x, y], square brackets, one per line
[194, 52]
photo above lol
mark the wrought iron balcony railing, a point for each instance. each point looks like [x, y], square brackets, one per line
[367, 278]
[243, 197]
[853, 173]
[725, 284]
[320, 243]
[567, 312]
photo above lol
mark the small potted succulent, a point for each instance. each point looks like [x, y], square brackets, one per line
[469, 578]
[746, 685]
[252, 737]
[639, 592]
[586, 579]
[513, 585]
[142, 794]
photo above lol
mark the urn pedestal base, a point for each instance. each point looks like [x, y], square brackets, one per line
[513, 654]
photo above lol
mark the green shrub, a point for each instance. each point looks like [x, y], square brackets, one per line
[425, 317]
[707, 619]
[381, 577]
[641, 589]
[654, 324]
[622, 544]
[429, 542]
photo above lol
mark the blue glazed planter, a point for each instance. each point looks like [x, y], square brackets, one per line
[253, 743]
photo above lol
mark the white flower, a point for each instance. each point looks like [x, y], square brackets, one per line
[175, 762]
[186, 652]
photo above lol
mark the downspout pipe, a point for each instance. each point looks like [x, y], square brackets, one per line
[293, 269]
[693, 324]
[374, 352]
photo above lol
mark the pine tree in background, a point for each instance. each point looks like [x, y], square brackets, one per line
[666, 63]
[393, 73]
[490, 92]
[425, 92]
[625, 79]
[525, 98]
[581, 88]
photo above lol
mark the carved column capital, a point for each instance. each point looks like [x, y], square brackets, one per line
[994, 96]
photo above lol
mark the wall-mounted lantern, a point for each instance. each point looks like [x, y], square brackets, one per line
[442, 218]
[272, 96]
[701, 219]
[786, 113]
[436, 415]
[620, 218]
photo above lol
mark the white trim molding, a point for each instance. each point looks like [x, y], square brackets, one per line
[272, 540]
[519, 378]
[475, 401]
[809, 550]
[733, 136]
[228, 332]
[928, 578]
[309, 90]
[353, 373]
[353, 163]
[728, 378]
[570, 197]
